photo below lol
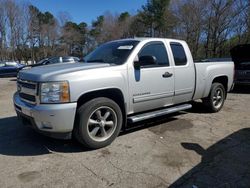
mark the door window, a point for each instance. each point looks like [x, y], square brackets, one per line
[158, 50]
[179, 54]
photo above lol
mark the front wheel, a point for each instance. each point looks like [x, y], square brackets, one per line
[215, 101]
[99, 122]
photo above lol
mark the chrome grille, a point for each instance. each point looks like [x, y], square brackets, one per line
[27, 91]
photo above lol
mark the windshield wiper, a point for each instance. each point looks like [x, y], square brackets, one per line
[95, 60]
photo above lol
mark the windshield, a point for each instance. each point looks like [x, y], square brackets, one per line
[115, 52]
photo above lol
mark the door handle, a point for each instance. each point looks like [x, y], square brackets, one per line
[167, 75]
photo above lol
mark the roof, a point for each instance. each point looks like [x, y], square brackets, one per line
[140, 39]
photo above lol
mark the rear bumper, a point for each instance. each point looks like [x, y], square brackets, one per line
[50, 119]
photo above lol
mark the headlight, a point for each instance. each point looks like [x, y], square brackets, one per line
[54, 92]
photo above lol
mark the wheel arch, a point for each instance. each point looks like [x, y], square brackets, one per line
[114, 94]
[222, 80]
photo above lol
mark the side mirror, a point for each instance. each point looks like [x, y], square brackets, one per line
[144, 60]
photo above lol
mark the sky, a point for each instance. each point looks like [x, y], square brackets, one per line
[87, 10]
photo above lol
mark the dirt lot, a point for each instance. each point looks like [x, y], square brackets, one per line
[187, 149]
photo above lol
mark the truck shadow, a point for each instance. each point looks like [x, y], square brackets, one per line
[198, 108]
[19, 140]
[224, 164]
[241, 89]
[154, 122]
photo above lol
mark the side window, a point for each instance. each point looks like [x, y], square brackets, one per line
[158, 50]
[179, 54]
[10, 64]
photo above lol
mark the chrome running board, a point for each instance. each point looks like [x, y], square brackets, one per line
[153, 114]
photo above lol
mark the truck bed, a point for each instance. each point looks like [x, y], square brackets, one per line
[207, 71]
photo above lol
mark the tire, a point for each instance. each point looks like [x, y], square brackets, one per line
[215, 101]
[98, 123]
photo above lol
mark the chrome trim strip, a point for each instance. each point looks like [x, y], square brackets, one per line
[25, 90]
[30, 102]
[28, 91]
[26, 81]
[17, 108]
[152, 97]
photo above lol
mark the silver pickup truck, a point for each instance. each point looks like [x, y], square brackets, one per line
[124, 80]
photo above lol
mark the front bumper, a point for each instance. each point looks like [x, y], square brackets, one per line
[47, 118]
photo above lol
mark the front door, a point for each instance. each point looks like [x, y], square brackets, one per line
[152, 86]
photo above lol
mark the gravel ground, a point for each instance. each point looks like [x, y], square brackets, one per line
[189, 149]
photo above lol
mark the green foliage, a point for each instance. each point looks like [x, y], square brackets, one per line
[210, 28]
[123, 17]
[74, 37]
[97, 26]
[99, 22]
[154, 16]
[34, 10]
[46, 18]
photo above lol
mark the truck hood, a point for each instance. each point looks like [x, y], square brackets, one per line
[240, 53]
[43, 73]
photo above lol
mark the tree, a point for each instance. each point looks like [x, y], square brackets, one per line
[244, 22]
[96, 29]
[190, 16]
[12, 12]
[211, 28]
[34, 29]
[48, 33]
[74, 38]
[63, 17]
[123, 17]
[3, 21]
[110, 27]
[154, 16]
[124, 23]
[220, 19]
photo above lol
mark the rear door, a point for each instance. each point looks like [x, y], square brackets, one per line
[184, 72]
[152, 86]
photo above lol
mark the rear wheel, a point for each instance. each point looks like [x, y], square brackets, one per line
[215, 101]
[99, 123]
